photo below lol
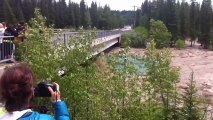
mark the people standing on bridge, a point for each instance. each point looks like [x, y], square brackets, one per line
[8, 41]
[21, 29]
[16, 90]
[1, 39]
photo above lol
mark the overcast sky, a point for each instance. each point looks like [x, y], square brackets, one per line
[119, 4]
[115, 4]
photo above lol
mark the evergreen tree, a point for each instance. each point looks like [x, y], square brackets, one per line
[2, 18]
[138, 17]
[178, 7]
[70, 17]
[77, 15]
[8, 13]
[170, 20]
[28, 7]
[184, 19]
[146, 14]
[205, 23]
[51, 17]
[17, 10]
[83, 14]
[94, 14]
[161, 10]
[62, 13]
[190, 110]
[192, 21]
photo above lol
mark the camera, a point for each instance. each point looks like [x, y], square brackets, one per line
[41, 90]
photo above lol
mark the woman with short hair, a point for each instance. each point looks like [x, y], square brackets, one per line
[16, 90]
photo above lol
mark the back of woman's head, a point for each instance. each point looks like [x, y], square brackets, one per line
[16, 87]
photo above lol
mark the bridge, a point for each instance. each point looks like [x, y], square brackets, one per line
[101, 41]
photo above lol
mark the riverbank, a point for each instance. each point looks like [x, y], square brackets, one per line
[190, 59]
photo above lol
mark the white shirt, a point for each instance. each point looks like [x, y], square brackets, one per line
[1, 34]
[14, 115]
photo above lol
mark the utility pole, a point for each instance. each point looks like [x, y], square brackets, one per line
[134, 20]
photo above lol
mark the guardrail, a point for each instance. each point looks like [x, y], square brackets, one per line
[7, 48]
[64, 37]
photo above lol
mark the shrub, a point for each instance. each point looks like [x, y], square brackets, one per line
[142, 30]
[159, 33]
[125, 40]
[180, 44]
[133, 39]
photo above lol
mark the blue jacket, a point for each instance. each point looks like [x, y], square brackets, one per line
[61, 113]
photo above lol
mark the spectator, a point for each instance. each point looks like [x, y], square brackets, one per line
[16, 89]
[21, 32]
[8, 41]
[1, 32]
[1, 38]
[4, 25]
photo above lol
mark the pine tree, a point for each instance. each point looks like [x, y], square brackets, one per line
[193, 21]
[71, 17]
[170, 20]
[83, 14]
[146, 14]
[8, 13]
[205, 23]
[2, 18]
[184, 19]
[94, 14]
[77, 15]
[190, 110]
[28, 7]
[17, 10]
[177, 10]
[138, 17]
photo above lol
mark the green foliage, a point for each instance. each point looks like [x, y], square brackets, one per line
[190, 109]
[39, 43]
[160, 79]
[136, 38]
[60, 14]
[160, 34]
[133, 39]
[142, 30]
[125, 42]
[102, 90]
[180, 44]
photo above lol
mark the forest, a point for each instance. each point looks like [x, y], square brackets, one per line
[62, 14]
[183, 19]
[191, 20]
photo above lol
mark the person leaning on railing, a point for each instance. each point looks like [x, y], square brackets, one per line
[8, 41]
[16, 91]
[1, 39]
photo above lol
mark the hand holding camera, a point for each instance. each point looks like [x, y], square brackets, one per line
[44, 89]
[55, 94]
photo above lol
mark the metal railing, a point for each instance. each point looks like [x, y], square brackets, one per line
[7, 49]
[7, 45]
[64, 37]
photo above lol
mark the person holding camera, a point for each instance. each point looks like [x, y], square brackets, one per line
[16, 91]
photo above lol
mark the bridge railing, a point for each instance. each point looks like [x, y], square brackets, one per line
[7, 48]
[64, 37]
